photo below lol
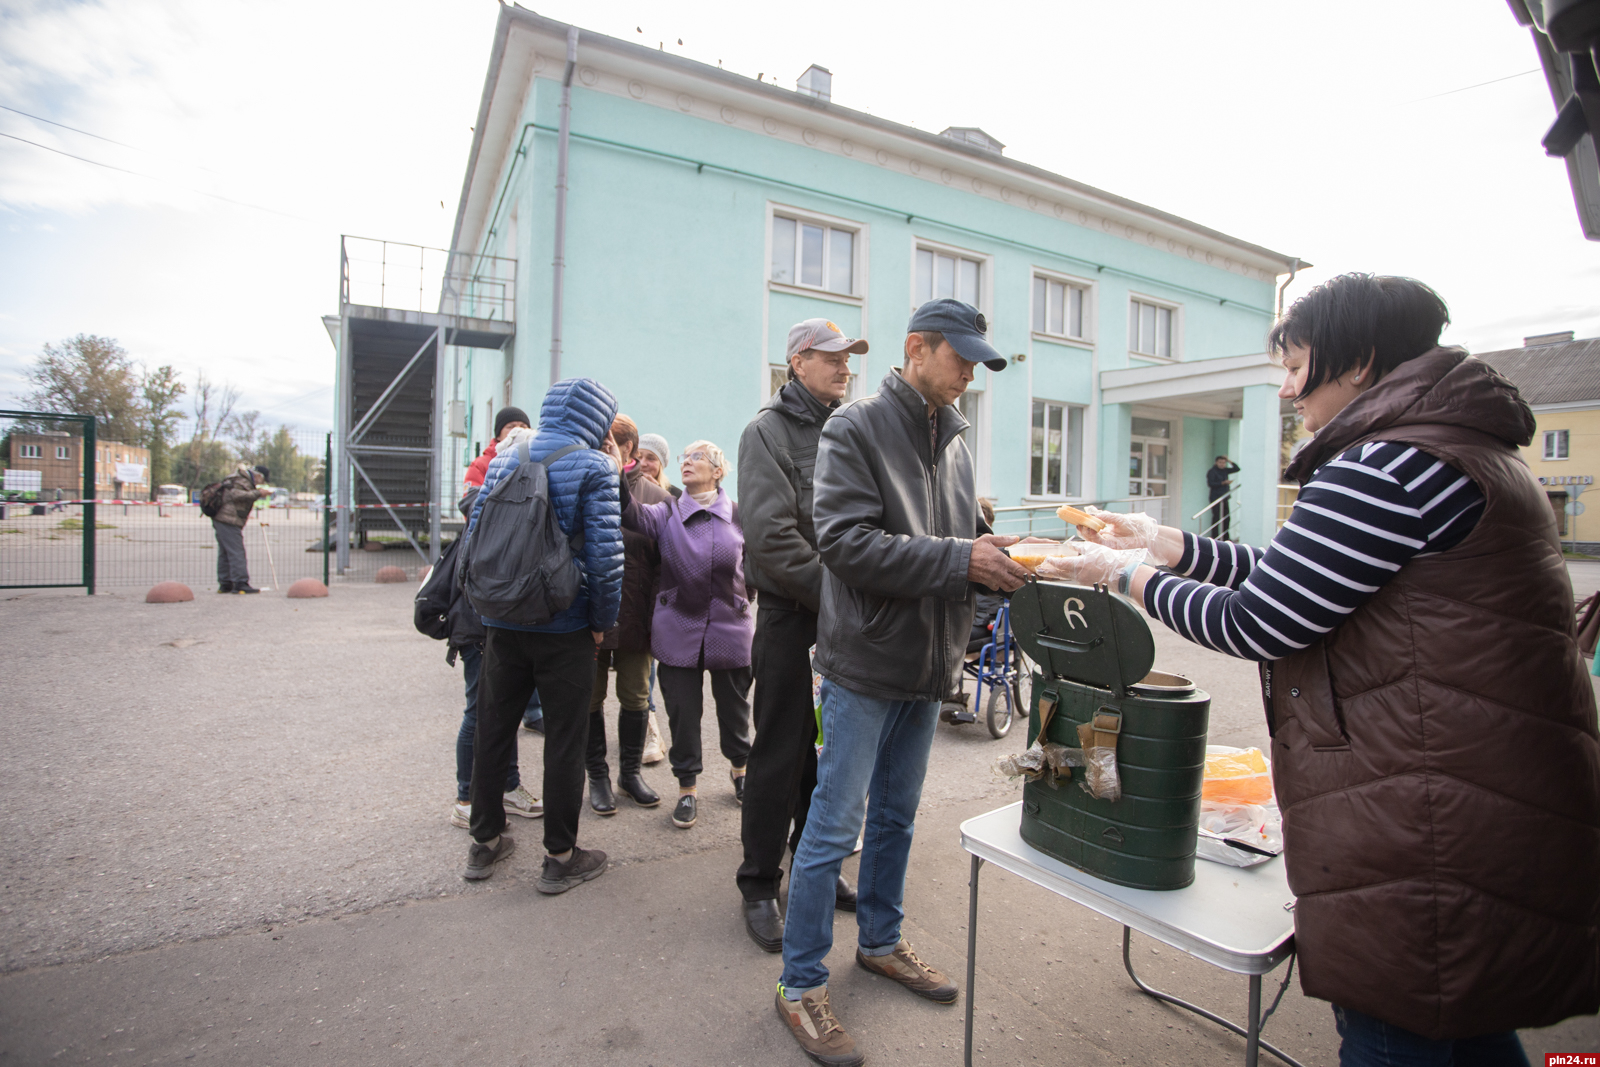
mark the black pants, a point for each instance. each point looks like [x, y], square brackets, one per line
[231, 566]
[514, 662]
[783, 758]
[633, 688]
[682, 688]
[1222, 516]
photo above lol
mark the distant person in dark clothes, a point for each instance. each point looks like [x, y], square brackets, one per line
[1217, 486]
[240, 491]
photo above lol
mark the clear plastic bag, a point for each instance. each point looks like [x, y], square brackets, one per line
[1240, 824]
[1049, 761]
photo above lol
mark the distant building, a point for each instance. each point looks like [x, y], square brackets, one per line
[1559, 377]
[122, 471]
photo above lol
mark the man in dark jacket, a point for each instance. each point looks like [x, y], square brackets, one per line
[1217, 482]
[896, 513]
[558, 656]
[240, 491]
[777, 458]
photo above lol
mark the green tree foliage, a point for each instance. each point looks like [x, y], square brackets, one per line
[89, 375]
[160, 391]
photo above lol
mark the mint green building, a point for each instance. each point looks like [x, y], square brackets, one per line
[707, 212]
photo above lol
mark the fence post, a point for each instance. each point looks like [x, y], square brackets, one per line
[88, 506]
[327, 506]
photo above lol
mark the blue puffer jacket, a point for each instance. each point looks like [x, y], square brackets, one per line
[583, 488]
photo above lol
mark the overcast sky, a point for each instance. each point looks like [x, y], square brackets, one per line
[1357, 135]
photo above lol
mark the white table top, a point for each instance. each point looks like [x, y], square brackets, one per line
[1231, 917]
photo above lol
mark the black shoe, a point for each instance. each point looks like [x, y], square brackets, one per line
[844, 895]
[601, 798]
[245, 587]
[481, 858]
[683, 815]
[225, 587]
[764, 923]
[582, 866]
[634, 786]
[536, 726]
[738, 788]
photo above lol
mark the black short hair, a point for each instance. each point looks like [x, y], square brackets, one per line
[1349, 320]
[1222, 457]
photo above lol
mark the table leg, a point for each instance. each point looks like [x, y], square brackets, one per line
[972, 946]
[1252, 1035]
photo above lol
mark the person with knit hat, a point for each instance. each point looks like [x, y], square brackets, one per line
[238, 496]
[652, 456]
[505, 420]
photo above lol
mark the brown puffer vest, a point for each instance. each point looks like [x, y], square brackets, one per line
[1436, 756]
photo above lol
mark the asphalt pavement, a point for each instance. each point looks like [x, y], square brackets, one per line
[228, 843]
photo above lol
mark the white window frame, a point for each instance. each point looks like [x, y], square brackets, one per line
[63, 451]
[1090, 293]
[1175, 342]
[985, 263]
[1551, 437]
[32, 452]
[1066, 454]
[858, 232]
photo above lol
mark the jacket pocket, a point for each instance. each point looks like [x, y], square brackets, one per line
[1303, 691]
[875, 612]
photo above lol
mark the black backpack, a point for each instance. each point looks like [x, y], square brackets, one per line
[518, 566]
[431, 610]
[211, 500]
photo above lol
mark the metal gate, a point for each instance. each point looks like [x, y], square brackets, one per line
[53, 473]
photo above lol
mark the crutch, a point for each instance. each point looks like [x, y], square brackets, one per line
[265, 540]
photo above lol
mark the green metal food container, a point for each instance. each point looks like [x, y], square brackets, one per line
[1094, 652]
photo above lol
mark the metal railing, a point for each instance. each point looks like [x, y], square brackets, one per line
[408, 277]
[1219, 511]
[1039, 520]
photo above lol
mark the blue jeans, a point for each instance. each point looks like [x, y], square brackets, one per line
[471, 668]
[1369, 1042]
[871, 748]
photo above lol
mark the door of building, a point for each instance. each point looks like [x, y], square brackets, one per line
[1149, 454]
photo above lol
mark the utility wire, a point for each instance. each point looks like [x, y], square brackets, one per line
[152, 177]
[1479, 85]
[64, 126]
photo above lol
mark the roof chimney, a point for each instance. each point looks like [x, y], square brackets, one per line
[1540, 339]
[816, 81]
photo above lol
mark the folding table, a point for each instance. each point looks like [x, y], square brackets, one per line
[1240, 919]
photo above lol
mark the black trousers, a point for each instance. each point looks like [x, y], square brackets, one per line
[682, 688]
[562, 667]
[1222, 515]
[231, 565]
[783, 758]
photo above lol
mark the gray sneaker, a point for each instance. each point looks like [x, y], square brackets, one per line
[482, 858]
[582, 866]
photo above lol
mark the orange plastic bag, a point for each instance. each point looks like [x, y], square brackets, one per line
[1236, 778]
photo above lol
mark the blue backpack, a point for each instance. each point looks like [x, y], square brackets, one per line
[518, 567]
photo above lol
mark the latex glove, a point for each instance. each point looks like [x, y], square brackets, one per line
[1126, 529]
[1094, 564]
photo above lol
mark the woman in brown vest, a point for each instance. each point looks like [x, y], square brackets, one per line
[1433, 725]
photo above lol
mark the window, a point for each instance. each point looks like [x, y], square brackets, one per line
[1057, 308]
[1555, 444]
[30, 452]
[940, 274]
[63, 452]
[1056, 463]
[1150, 329]
[970, 404]
[813, 255]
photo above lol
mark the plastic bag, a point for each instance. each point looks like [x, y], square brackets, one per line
[1049, 761]
[1100, 776]
[1240, 824]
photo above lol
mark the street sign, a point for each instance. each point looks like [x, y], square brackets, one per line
[1575, 508]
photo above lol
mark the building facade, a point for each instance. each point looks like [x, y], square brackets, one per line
[122, 471]
[707, 212]
[1559, 377]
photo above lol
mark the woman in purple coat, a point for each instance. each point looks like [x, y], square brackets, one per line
[702, 620]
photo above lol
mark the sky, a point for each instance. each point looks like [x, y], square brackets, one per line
[224, 147]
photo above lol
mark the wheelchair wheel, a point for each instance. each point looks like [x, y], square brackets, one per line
[1000, 708]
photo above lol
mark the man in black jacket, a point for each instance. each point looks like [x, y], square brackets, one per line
[1217, 484]
[777, 457]
[896, 515]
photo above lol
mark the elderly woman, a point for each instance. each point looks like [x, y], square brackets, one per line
[702, 620]
[1433, 726]
[651, 461]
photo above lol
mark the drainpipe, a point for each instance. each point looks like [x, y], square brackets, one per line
[561, 204]
[1294, 268]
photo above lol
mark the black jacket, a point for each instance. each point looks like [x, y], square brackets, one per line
[777, 460]
[1217, 479]
[896, 515]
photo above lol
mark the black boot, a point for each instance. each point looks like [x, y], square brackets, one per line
[764, 923]
[225, 587]
[844, 895]
[601, 799]
[631, 728]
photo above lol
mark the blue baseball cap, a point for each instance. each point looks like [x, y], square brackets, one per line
[963, 326]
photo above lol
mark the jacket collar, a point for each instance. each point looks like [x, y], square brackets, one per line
[722, 507]
[910, 403]
[796, 401]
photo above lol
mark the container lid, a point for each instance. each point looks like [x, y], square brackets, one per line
[1083, 634]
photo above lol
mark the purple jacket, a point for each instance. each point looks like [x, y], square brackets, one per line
[704, 601]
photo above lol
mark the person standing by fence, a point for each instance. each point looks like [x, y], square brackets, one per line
[236, 497]
[1218, 484]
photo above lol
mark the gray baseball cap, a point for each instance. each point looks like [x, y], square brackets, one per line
[822, 335]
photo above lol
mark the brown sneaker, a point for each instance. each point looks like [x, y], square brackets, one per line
[811, 1021]
[904, 967]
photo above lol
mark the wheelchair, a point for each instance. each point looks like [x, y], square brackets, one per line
[997, 664]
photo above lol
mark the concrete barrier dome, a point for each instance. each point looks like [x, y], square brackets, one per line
[305, 589]
[389, 575]
[168, 593]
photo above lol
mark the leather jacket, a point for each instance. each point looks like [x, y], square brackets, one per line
[777, 464]
[896, 512]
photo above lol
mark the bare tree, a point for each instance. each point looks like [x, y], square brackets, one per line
[213, 407]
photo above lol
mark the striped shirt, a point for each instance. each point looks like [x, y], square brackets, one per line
[1356, 523]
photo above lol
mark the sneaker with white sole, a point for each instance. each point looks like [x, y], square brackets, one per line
[521, 802]
[461, 814]
[812, 1022]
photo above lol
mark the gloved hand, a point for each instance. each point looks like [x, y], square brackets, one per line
[1094, 564]
[1126, 529]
